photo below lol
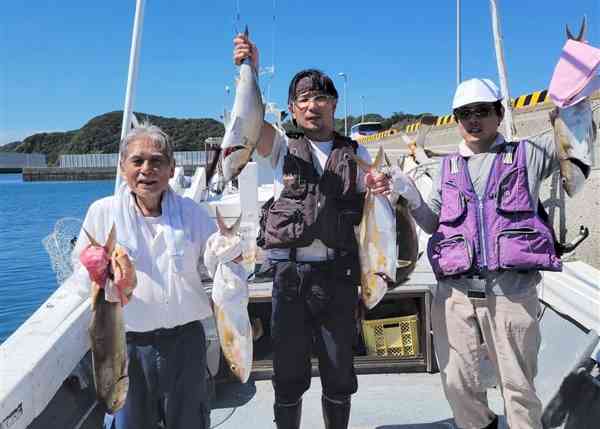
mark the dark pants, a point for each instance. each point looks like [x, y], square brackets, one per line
[313, 305]
[167, 380]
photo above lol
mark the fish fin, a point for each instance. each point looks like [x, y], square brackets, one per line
[402, 263]
[111, 241]
[91, 239]
[582, 30]
[221, 222]
[227, 231]
[388, 162]
[94, 292]
[362, 164]
[246, 32]
[235, 228]
[424, 129]
[357, 232]
[379, 159]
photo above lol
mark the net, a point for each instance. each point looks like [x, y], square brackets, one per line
[59, 245]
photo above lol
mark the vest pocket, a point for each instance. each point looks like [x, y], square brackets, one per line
[285, 224]
[512, 192]
[453, 203]
[524, 248]
[452, 256]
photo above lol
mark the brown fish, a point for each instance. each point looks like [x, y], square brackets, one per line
[574, 135]
[107, 334]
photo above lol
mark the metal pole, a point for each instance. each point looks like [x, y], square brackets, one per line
[345, 77]
[362, 104]
[458, 57]
[508, 119]
[134, 57]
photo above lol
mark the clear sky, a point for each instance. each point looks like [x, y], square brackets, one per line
[64, 61]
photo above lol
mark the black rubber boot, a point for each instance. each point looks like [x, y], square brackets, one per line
[287, 416]
[493, 424]
[335, 413]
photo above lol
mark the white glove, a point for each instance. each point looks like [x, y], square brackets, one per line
[403, 186]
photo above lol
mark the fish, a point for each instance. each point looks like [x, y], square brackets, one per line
[407, 241]
[107, 330]
[574, 134]
[230, 297]
[244, 126]
[417, 146]
[378, 254]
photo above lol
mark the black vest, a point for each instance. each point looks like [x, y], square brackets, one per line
[313, 207]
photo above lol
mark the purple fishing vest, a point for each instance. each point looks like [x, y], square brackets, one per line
[500, 231]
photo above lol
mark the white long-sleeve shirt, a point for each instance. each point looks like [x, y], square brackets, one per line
[154, 303]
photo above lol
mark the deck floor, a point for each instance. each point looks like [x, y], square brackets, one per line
[397, 401]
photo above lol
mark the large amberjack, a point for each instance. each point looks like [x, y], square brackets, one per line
[107, 328]
[376, 236]
[230, 296]
[245, 123]
[574, 134]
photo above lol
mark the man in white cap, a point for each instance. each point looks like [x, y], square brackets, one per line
[487, 247]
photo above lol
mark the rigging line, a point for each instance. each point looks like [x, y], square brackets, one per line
[236, 18]
[273, 38]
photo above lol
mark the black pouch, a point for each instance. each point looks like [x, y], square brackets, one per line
[262, 222]
[338, 219]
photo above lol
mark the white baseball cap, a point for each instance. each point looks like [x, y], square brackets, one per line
[475, 91]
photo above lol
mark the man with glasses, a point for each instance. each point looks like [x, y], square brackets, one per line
[308, 229]
[489, 241]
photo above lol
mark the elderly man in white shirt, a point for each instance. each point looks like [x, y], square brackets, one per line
[165, 236]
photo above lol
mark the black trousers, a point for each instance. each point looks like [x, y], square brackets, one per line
[167, 380]
[313, 307]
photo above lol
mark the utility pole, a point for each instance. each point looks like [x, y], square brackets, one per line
[345, 77]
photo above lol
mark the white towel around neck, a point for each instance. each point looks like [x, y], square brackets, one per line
[127, 224]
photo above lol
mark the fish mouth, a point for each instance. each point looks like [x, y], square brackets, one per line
[229, 150]
[119, 396]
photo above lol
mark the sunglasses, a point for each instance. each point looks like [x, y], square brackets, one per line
[320, 100]
[478, 112]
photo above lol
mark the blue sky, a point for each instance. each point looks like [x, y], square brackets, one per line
[63, 62]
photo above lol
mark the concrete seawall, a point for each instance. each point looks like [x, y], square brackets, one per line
[51, 174]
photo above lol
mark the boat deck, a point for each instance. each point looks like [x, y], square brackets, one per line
[397, 401]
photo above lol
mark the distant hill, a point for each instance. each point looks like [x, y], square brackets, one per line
[9, 147]
[102, 133]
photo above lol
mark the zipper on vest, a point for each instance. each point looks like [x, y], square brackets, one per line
[480, 220]
[481, 227]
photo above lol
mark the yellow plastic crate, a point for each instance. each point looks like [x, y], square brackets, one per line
[395, 336]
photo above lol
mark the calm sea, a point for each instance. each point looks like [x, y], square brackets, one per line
[28, 213]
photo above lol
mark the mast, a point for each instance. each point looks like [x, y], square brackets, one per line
[134, 57]
[508, 119]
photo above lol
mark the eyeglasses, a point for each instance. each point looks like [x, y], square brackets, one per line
[320, 100]
[479, 112]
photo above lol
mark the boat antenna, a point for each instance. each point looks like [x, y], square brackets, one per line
[509, 125]
[134, 59]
